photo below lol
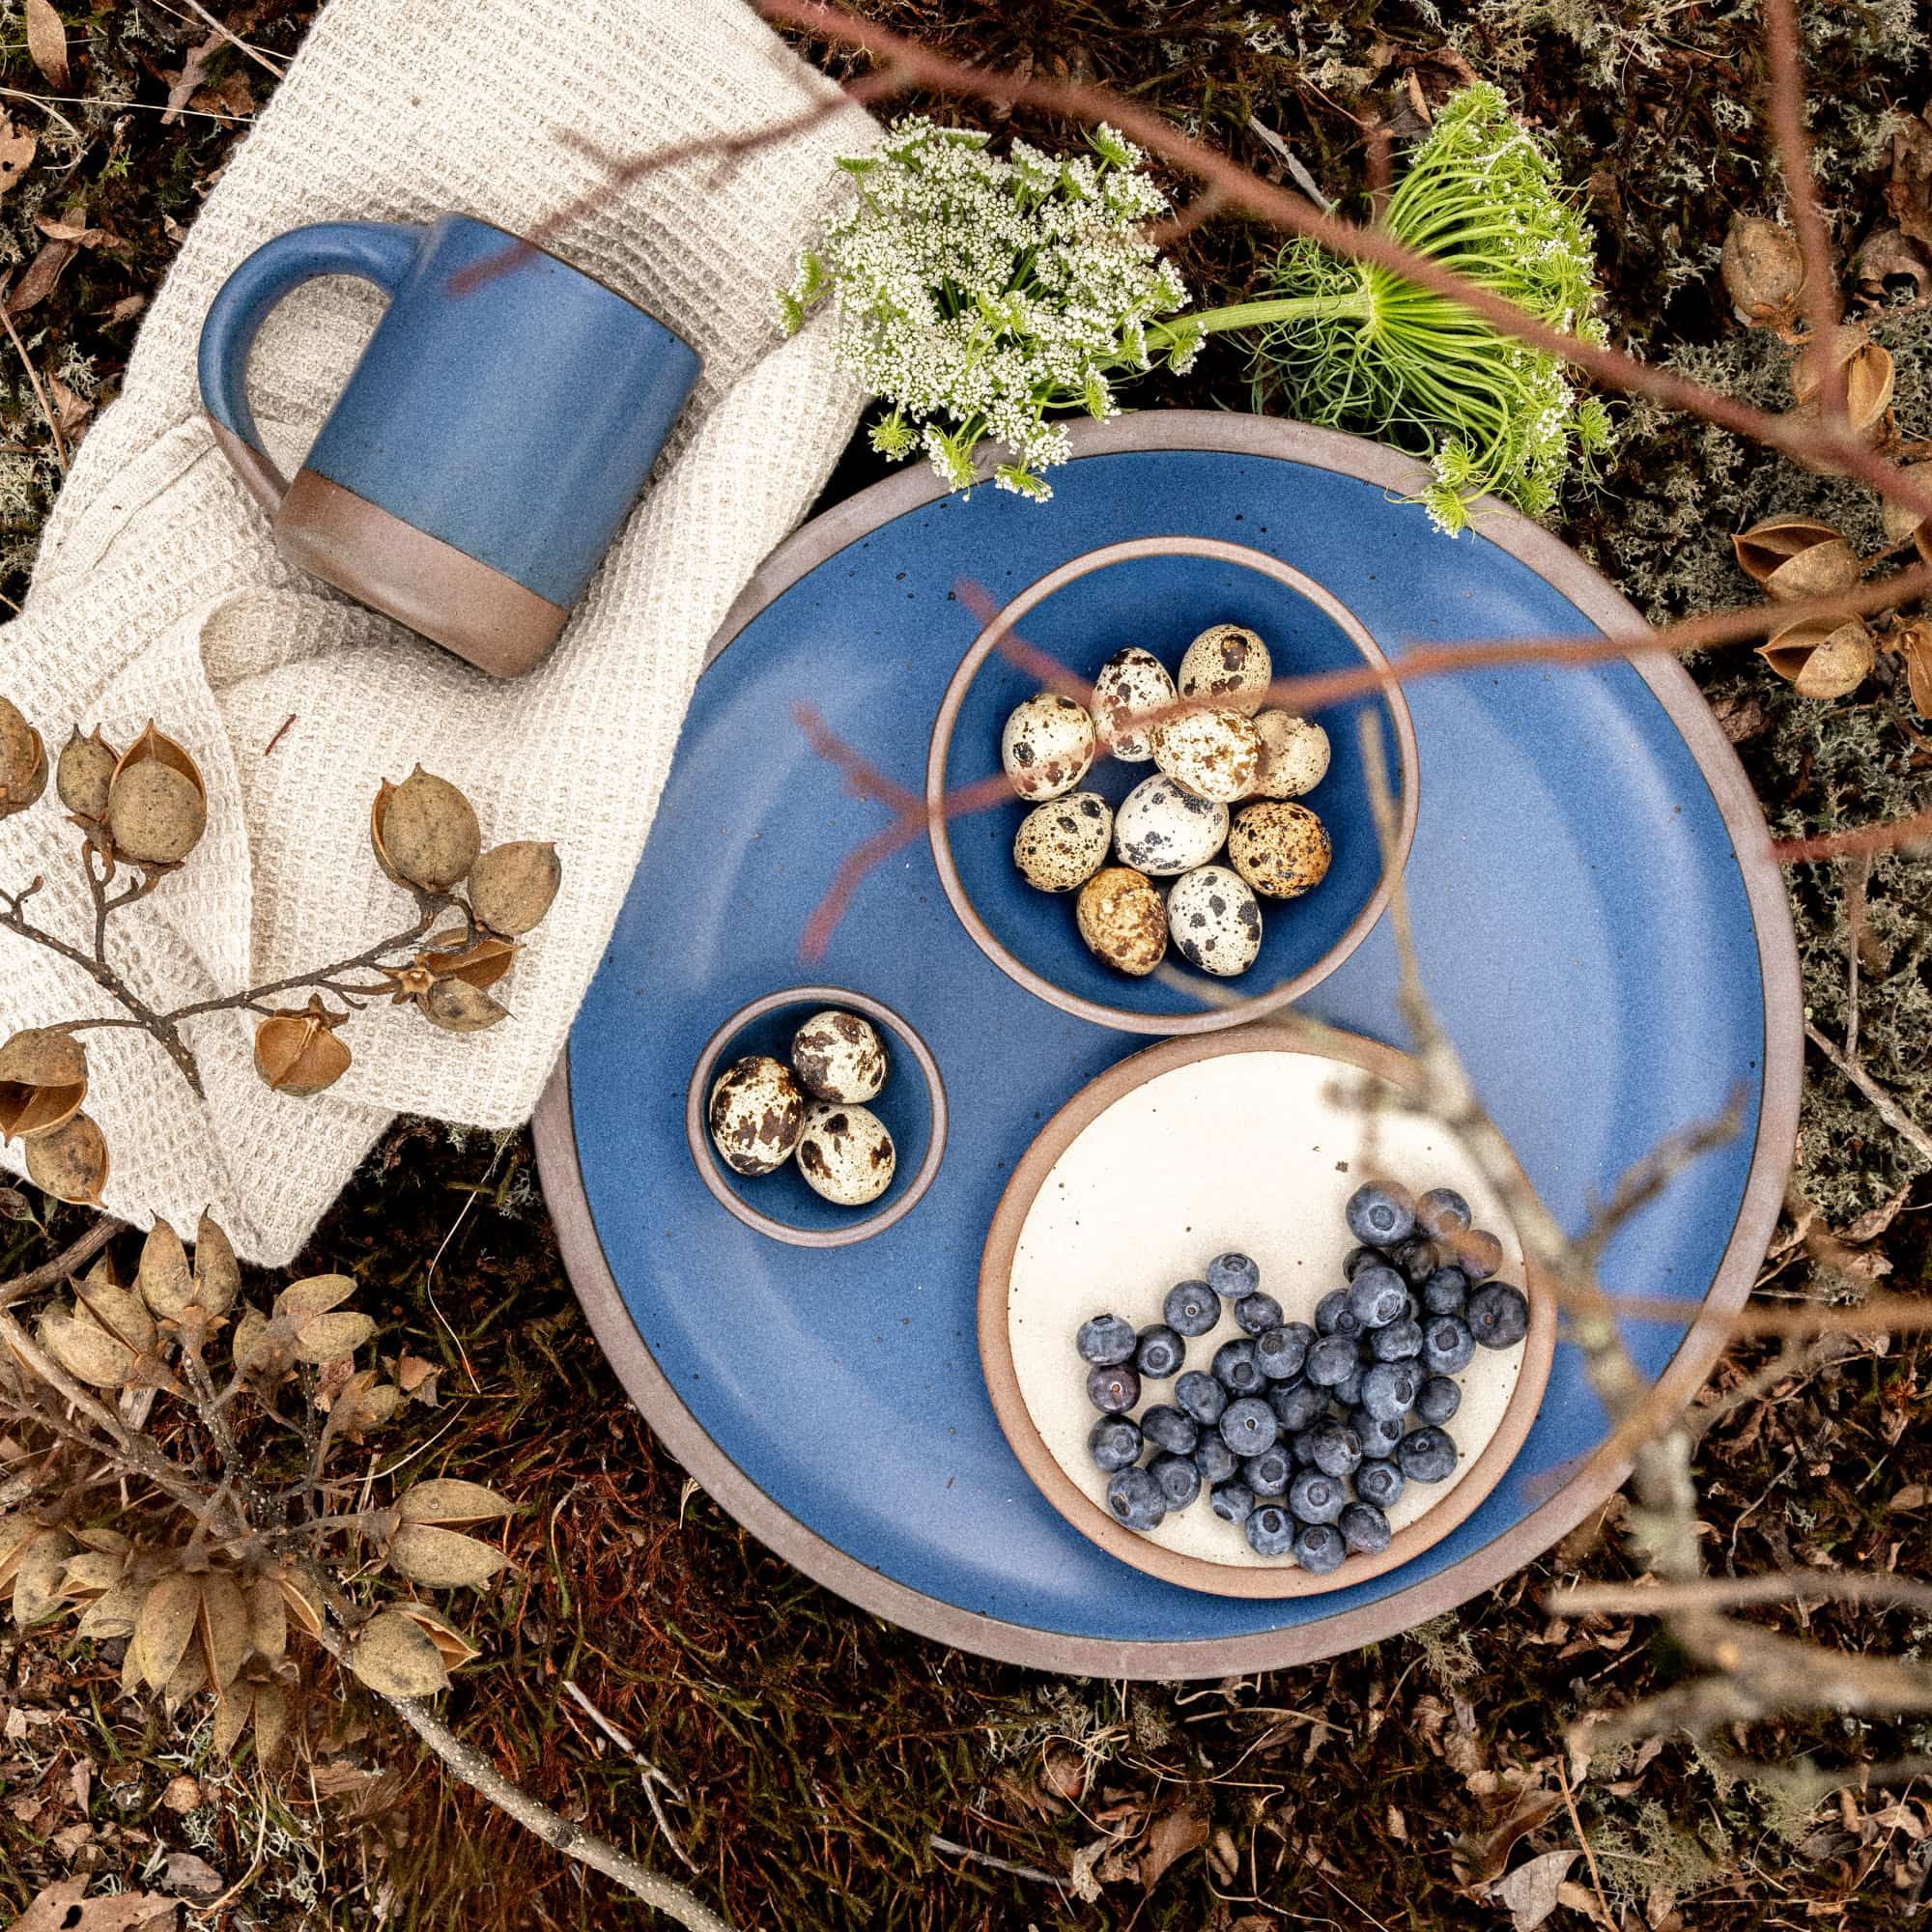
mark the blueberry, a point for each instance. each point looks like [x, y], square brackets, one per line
[1114, 1443]
[1380, 1216]
[1334, 1317]
[1427, 1454]
[1332, 1361]
[1400, 1342]
[1320, 1548]
[1417, 1259]
[1258, 1312]
[1389, 1389]
[1498, 1316]
[1159, 1351]
[1379, 1482]
[1236, 1369]
[1270, 1530]
[1314, 1497]
[1447, 1344]
[1232, 1503]
[1445, 1291]
[1335, 1449]
[1348, 1392]
[1199, 1396]
[1233, 1275]
[1297, 1405]
[1106, 1340]
[1136, 1499]
[1113, 1390]
[1190, 1308]
[1168, 1428]
[1212, 1456]
[1301, 1445]
[1178, 1479]
[1477, 1253]
[1442, 1212]
[1376, 1298]
[1357, 1258]
[1379, 1433]
[1438, 1399]
[1281, 1352]
[1364, 1528]
[1249, 1427]
[1267, 1474]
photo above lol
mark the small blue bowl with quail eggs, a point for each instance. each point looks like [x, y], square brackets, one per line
[1181, 852]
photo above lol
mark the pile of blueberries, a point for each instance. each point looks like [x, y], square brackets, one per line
[1303, 1436]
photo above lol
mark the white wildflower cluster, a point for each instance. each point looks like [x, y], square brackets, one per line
[981, 298]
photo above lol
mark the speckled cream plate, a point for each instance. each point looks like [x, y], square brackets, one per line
[1251, 1140]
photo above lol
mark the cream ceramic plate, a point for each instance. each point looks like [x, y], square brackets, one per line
[1247, 1141]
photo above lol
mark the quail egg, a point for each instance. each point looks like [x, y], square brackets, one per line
[1214, 754]
[1132, 682]
[1295, 755]
[756, 1114]
[1063, 843]
[1163, 829]
[1215, 919]
[1121, 919]
[846, 1154]
[1228, 664]
[1047, 746]
[1279, 848]
[839, 1057]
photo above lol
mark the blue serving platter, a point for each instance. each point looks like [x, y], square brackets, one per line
[1600, 918]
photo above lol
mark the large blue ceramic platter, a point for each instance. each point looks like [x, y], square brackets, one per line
[1600, 920]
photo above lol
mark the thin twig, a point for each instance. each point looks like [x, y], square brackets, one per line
[34, 376]
[71, 1257]
[1715, 1593]
[653, 1776]
[1582, 1837]
[1033, 1872]
[1883, 1104]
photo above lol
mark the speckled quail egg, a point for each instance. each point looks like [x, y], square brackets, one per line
[1163, 829]
[1063, 843]
[1279, 848]
[1047, 746]
[846, 1154]
[839, 1057]
[1216, 921]
[1228, 664]
[756, 1114]
[1122, 921]
[1131, 683]
[1295, 755]
[1213, 753]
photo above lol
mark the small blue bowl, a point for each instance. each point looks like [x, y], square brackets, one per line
[1161, 593]
[912, 1104]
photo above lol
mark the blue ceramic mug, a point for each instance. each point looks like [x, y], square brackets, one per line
[491, 440]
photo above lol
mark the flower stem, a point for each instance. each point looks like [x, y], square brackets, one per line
[1356, 304]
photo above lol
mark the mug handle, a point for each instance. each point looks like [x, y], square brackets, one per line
[378, 251]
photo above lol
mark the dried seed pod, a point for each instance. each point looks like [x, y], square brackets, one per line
[1769, 544]
[1828, 568]
[156, 803]
[297, 1052]
[43, 1081]
[71, 1163]
[480, 964]
[457, 1007]
[511, 886]
[424, 832]
[1901, 521]
[1764, 271]
[85, 770]
[1913, 643]
[1869, 375]
[23, 761]
[1821, 658]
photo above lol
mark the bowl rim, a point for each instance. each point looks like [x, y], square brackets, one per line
[1030, 1175]
[704, 1153]
[1223, 1011]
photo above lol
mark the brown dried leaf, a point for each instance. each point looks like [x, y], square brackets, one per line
[396, 1657]
[65, 1907]
[444, 1559]
[327, 1338]
[1530, 1891]
[1889, 254]
[448, 1500]
[1170, 1837]
[42, 272]
[164, 1628]
[46, 42]
[1488, 1856]
[223, 1624]
[16, 151]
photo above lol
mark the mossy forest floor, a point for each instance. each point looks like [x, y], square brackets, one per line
[811, 1757]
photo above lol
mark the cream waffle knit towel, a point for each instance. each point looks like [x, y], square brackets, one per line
[159, 592]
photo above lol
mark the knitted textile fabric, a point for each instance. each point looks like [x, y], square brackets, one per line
[159, 592]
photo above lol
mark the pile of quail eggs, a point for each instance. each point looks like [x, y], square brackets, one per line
[763, 1113]
[1175, 824]
[1304, 1436]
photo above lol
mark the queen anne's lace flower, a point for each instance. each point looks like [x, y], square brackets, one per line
[979, 297]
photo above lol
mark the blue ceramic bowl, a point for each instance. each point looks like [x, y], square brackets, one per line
[1160, 593]
[912, 1104]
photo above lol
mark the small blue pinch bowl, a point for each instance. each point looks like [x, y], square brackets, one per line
[1161, 593]
[912, 1104]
